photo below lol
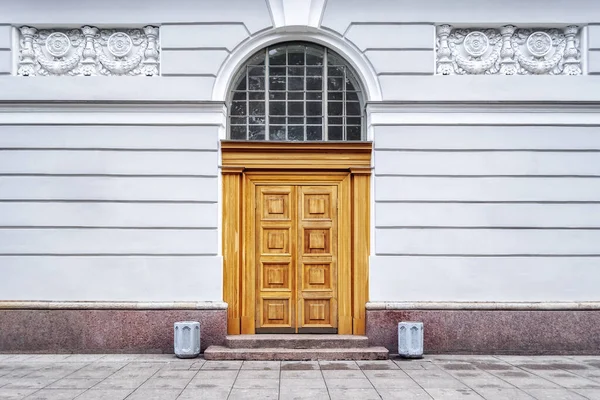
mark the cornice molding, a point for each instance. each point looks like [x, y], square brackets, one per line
[492, 306]
[112, 305]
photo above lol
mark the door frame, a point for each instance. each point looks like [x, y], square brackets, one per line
[346, 164]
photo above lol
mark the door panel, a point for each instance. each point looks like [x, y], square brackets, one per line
[296, 256]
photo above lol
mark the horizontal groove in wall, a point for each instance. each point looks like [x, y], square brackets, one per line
[485, 176]
[480, 305]
[483, 202]
[107, 201]
[108, 227]
[404, 74]
[112, 305]
[195, 75]
[194, 48]
[108, 254]
[107, 175]
[399, 49]
[488, 227]
[503, 150]
[485, 255]
[116, 149]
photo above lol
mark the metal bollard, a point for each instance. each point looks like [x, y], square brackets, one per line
[187, 339]
[410, 339]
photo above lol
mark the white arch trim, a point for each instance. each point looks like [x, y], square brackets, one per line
[363, 68]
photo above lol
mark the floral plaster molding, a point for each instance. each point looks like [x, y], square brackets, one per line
[88, 51]
[508, 50]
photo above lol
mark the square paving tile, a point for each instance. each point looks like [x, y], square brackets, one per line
[29, 383]
[377, 365]
[404, 394]
[15, 393]
[338, 365]
[172, 383]
[451, 394]
[105, 394]
[55, 394]
[216, 393]
[351, 383]
[254, 394]
[388, 374]
[554, 394]
[256, 384]
[504, 394]
[299, 365]
[353, 394]
[230, 365]
[262, 365]
[69, 383]
[120, 383]
[303, 393]
[303, 383]
[258, 374]
[154, 394]
[207, 375]
[293, 374]
[396, 383]
[350, 374]
[591, 394]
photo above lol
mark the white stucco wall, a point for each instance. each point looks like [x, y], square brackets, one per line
[473, 200]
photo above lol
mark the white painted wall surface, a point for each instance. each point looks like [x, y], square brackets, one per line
[492, 202]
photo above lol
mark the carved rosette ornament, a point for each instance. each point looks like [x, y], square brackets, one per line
[89, 51]
[508, 51]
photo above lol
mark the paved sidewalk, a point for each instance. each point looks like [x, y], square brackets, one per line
[154, 377]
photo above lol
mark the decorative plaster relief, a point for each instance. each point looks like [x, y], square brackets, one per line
[508, 51]
[88, 51]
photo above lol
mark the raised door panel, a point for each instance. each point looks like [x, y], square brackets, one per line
[275, 247]
[317, 257]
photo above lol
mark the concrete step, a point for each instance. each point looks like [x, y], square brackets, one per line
[296, 341]
[277, 354]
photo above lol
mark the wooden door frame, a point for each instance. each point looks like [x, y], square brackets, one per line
[345, 164]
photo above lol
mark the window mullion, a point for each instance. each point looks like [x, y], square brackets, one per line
[267, 130]
[344, 128]
[247, 103]
[325, 122]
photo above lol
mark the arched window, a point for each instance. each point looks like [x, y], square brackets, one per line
[296, 92]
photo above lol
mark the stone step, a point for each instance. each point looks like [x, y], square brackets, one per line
[278, 354]
[296, 341]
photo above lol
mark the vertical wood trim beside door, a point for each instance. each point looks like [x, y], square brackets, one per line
[361, 181]
[344, 258]
[248, 258]
[232, 220]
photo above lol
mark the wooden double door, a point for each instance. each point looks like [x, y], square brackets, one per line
[296, 257]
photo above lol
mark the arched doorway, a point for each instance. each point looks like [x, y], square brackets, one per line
[296, 179]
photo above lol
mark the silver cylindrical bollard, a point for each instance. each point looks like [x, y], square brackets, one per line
[410, 339]
[187, 339]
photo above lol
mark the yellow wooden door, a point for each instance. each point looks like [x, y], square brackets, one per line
[296, 258]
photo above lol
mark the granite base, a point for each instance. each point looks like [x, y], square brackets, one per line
[530, 332]
[103, 331]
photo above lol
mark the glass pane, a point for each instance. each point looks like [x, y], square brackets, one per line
[335, 83]
[277, 56]
[353, 121]
[296, 132]
[277, 120]
[257, 107]
[256, 71]
[314, 55]
[352, 108]
[277, 83]
[352, 96]
[298, 71]
[277, 71]
[314, 133]
[335, 71]
[314, 96]
[256, 132]
[238, 108]
[295, 108]
[334, 108]
[295, 83]
[295, 120]
[238, 132]
[353, 133]
[314, 83]
[256, 82]
[276, 95]
[239, 95]
[256, 95]
[335, 121]
[349, 85]
[334, 132]
[296, 55]
[258, 59]
[242, 83]
[277, 108]
[314, 108]
[335, 95]
[238, 120]
[314, 121]
[296, 96]
[314, 71]
[256, 120]
[276, 132]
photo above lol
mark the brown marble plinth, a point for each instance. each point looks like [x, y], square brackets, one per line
[103, 331]
[492, 332]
